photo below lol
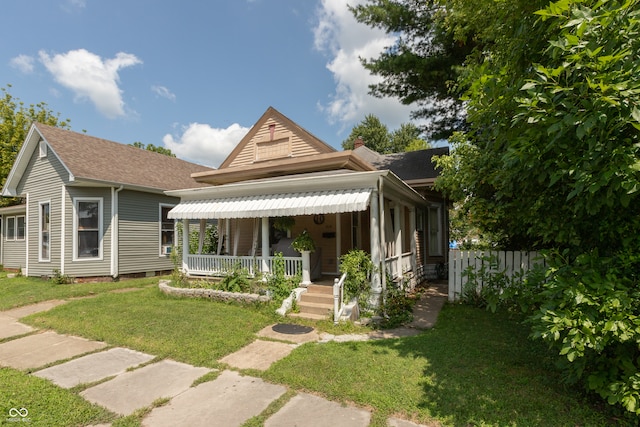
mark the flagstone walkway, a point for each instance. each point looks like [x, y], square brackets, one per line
[129, 380]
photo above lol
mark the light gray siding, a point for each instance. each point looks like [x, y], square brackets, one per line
[42, 182]
[88, 267]
[14, 252]
[139, 232]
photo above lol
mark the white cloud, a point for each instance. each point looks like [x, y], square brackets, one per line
[91, 77]
[200, 143]
[24, 63]
[345, 41]
[73, 5]
[163, 92]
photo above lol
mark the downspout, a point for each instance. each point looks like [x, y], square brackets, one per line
[115, 231]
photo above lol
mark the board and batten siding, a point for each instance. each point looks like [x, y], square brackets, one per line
[90, 267]
[285, 143]
[42, 182]
[139, 232]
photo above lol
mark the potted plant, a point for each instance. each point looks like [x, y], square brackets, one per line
[303, 242]
[305, 245]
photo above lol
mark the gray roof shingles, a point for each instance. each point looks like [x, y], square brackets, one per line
[97, 159]
[409, 166]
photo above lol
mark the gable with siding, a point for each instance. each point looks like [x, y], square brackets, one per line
[273, 137]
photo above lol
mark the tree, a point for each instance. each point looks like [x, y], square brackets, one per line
[423, 67]
[151, 147]
[15, 121]
[377, 137]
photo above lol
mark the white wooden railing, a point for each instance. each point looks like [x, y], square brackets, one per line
[512, 263]
[391, 265]
[338, 298]
[217, 265]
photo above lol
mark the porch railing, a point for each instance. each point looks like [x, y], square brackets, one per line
[391, 265]
[220, 265]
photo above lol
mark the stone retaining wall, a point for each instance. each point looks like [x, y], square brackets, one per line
[213, 294]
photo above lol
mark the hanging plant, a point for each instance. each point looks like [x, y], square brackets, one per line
[303, 242]
[284, 223]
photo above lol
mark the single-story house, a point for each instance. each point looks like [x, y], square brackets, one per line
[355, 199]
[93, 208]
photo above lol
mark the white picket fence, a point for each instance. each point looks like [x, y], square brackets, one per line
[511, 262]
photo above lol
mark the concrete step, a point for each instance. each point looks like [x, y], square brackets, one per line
[318, 298]
[320, 289]
[308, 316]
[315, 308]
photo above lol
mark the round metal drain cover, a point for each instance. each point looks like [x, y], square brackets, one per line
[290, 329]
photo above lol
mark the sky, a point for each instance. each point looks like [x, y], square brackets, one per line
[193, 75]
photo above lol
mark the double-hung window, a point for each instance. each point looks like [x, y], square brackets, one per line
[167, 230]
[88, 228]
[11, 228]
[45, 232]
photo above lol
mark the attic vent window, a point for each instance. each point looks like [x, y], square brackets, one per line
[42, 148]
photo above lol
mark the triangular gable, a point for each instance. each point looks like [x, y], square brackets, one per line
[273, 137]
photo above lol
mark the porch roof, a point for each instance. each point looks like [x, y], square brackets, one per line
[274, 205]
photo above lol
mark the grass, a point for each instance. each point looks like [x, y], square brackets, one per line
[193, 331]
[47, 404]
[473, 368]
[20, 291]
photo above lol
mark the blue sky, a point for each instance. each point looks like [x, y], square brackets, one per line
[193, 75]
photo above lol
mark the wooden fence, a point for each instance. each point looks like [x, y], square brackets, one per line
[512, 263]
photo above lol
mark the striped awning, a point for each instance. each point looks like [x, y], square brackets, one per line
[274, 205]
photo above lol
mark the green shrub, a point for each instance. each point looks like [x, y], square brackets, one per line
[237, 280]
[277, 282]
[358, 266]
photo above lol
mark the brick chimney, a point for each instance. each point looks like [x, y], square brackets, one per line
[359, 142]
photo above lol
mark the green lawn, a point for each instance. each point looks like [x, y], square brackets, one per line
[473, 368]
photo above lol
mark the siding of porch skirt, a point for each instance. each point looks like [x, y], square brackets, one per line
[14, 253]
[42, 181]
[139, 232]
[88, 267]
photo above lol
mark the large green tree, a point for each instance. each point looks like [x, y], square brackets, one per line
[550, 159]
[15, 120]
[377, 137]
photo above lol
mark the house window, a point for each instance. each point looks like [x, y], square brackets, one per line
[45, 232]
[11, 228]
[88, 228]
[435, 231]
[20, 227]
[167, 230]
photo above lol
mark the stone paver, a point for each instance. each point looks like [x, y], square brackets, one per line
[38, 350]
[94, 367]
[10, 327]
[21, 312]
[313, 411]
[229, 400]
[140, 388]
[396, 422]
[258, 355]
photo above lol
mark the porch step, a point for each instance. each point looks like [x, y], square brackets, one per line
[316, 303]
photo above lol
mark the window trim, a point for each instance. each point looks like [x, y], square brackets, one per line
[24, 228]
[160, 229]
[40, 231]
[438, 232]
[76, 201]
[12, 228]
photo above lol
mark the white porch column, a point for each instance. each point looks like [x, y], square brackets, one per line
[185, 245]
[376, 250]
[265, 245]
[397, 233]
[414, 252]
[338, 241]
